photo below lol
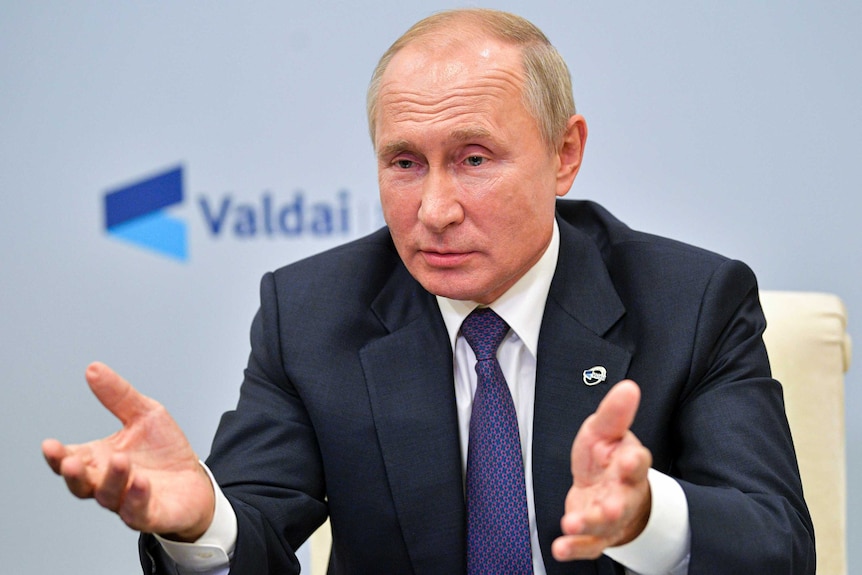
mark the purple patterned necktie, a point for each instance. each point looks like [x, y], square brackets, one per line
[498, 530]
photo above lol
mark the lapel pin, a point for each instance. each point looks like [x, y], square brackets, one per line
[595, 375]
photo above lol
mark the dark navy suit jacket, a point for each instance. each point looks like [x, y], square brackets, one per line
[348, 408]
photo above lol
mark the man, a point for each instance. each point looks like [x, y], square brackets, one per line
[360, 400]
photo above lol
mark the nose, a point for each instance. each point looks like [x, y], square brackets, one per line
[441, 206]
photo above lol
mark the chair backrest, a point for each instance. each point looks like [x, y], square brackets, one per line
[320, 545]
[809, 350]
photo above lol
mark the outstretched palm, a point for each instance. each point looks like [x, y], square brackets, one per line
[147, 472]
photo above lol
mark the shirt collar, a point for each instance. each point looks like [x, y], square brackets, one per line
[522, 306]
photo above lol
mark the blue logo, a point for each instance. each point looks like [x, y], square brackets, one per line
[135, 214]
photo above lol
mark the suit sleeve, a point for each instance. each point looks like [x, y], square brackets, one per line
[266, 459]
[735, 458]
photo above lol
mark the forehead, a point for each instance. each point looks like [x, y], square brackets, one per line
[440, 77]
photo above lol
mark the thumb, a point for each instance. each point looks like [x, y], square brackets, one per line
[116, 394]
[616, 412]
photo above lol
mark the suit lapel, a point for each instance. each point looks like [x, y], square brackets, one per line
[410, 383]
[583, 306]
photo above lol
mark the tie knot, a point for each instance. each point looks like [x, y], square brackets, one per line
[484, 330]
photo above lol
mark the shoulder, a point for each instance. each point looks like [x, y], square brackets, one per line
[614, 238]
[362, 264]
[644, 267]
[626, 251]
[339, 283]
[328, 298]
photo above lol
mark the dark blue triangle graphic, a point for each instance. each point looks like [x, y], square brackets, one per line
[144, 197]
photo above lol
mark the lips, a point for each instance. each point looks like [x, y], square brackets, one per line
[441, 259]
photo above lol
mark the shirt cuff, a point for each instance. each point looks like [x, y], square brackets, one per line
[664, 545]
[215, 546]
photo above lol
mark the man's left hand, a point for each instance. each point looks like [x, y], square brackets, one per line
[609, 502]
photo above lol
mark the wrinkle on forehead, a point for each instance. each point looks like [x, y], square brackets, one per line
[461, 119]
[427, 94]
[398, 99]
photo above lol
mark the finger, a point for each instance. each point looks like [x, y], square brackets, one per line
[616, 412]
[599, 518]
[116, 394]
[572, 547]
[632, 461]
[74, 471]
[109, 492]
[54, 452]
[593, 510]
[133, 509]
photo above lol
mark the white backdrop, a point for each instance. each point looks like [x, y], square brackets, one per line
[731, 125]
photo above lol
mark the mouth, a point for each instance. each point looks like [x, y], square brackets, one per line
[444, 259]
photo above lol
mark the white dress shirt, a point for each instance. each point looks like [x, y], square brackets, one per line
[662, 548]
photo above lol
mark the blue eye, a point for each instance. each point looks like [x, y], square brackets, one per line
[475, 160]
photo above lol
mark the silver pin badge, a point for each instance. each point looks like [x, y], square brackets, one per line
[595, 375]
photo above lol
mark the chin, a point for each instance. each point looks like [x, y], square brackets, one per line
[447, 288]
[458, 293]
[452, 284]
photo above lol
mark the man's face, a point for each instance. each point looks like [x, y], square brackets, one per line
[467, 184]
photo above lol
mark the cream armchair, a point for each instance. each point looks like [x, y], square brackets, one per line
[809, 350]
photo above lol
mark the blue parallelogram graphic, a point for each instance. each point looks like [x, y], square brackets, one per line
[134, 213]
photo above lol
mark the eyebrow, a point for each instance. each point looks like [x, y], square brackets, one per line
[471, 133]
[460, 135]
[393, 148]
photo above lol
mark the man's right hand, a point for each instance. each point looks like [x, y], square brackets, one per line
[147, 472]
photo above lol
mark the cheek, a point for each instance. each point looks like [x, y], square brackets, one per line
[519, 207]
[522, 219]
[398, 209]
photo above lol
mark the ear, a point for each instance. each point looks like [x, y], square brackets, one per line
[570, 153]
